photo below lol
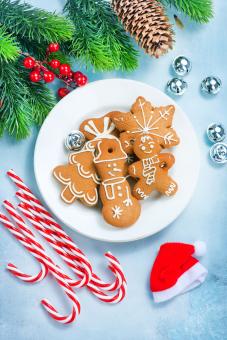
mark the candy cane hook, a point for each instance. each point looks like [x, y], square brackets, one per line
[54, 269]
[20, 274]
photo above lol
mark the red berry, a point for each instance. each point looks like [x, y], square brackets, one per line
[29, 62]
[35, 76]
[53, 47]
[48, 76]
[77, 74]
[54, 63]
[81, 81]
[64, 69]
[62, 92]
[70, 75]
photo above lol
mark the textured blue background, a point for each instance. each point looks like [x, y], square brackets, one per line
[200, 314]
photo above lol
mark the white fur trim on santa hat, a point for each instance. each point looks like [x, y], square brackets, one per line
[200, 248]
[189, 280]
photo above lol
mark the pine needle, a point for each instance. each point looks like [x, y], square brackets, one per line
[15, 110]
[99, 39]
[9, 49]
[198, 10]
[34, 24]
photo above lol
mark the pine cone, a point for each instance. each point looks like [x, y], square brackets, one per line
[146, 21]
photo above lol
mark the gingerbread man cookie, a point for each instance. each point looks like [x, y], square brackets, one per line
[120, 208]
[152, 168]
[79, 178]
[145, 118]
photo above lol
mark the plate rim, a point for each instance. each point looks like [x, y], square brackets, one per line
[139, 237]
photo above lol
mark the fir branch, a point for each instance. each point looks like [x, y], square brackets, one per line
[15, 109]
[9, 49]
[99, 39]
[40, 98]
[198, 10]
[34, 24]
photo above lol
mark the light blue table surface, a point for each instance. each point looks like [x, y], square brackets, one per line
[200, 314]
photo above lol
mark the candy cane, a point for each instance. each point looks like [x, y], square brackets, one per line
[36, 223]
[36, 250]
[61, 234]
[57, 246]
[115, 267]
[25, 277]
[95, 279]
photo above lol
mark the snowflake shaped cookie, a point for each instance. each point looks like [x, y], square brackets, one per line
[145, 119]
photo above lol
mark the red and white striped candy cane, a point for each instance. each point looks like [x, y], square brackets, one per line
[35, 249]
[25, 277]
[68, 241]
[61, 234]
[39, 223]
[57, 246]
[95, 279]
[116, 298]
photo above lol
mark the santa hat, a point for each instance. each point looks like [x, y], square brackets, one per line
[176, 270]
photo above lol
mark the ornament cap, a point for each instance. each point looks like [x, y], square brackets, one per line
[200, 248]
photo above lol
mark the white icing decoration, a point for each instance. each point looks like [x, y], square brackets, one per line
[78, 194]
[109, 185]
[127, 144]
[171, 188]
[97, 160]
[134, 169]
[127, 201]
[111, 172]
[64, 198]
[149, 170]
[108, 127]
[149, 126]
[117, 212]
[141, 193]
[80, 167]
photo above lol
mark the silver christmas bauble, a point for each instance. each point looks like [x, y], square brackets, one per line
[216, 132]
[211, 85]
[75, 141]
[177, 86]
[218, 153]
[181, 65]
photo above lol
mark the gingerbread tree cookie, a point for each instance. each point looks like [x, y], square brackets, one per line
[79, 178]
[152, 168]
[145, 118]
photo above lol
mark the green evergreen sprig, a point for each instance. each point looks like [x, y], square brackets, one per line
[198, 10]
[99, 39]
[15, 109]
[40, 98]
[22, 103]
[34, 24]
[9, 48]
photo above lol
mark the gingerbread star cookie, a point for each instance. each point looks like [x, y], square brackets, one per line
[144, 118]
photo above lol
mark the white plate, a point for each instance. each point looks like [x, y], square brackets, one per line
[93, 100]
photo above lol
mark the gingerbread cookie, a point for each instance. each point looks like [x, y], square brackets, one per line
[145, 118]
[97, 127]
[79, 178]
[152, 168]
[120, 208]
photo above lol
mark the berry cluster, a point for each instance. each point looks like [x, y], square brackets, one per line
[40, 71]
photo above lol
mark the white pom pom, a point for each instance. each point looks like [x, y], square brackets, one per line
[200, 248]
